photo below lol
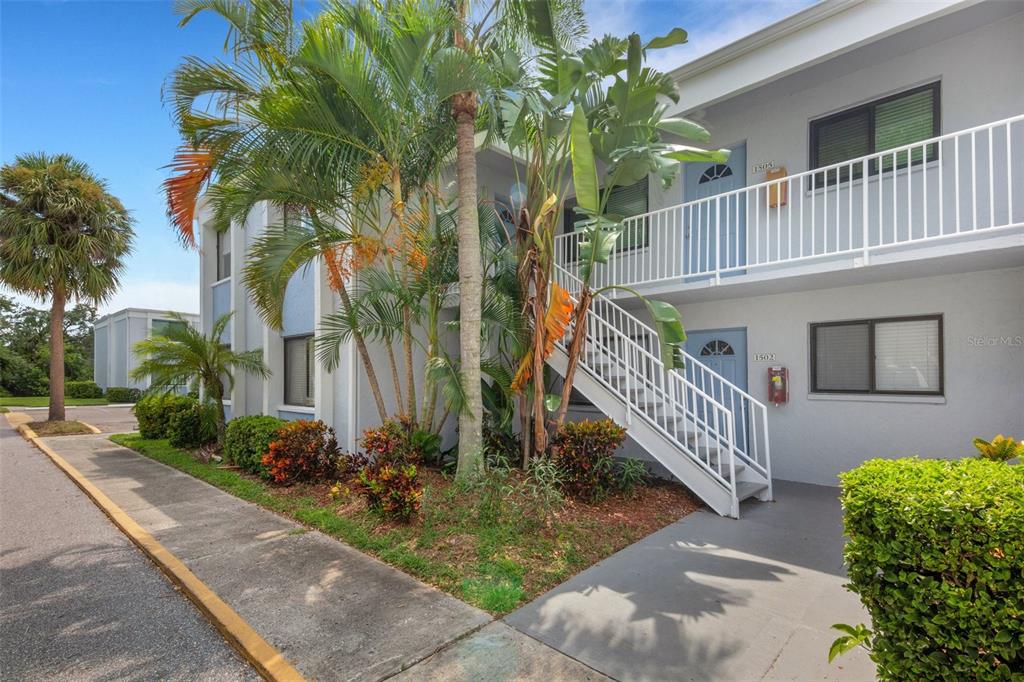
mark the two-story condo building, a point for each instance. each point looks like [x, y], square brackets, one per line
[851, 280]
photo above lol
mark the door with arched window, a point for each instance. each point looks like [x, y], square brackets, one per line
[717, 224]
[724, 351]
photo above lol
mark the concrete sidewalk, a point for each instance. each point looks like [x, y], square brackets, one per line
[710, 598]
[334, 612]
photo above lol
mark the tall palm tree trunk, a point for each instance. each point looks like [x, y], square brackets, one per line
[470, 286]
[57, 354]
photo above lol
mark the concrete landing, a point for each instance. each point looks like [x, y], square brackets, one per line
[711, 598]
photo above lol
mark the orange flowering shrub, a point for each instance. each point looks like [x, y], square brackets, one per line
[302, 451]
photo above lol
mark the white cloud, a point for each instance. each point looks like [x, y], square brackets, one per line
[183, 298]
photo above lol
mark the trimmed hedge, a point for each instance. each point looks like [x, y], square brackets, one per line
[192, 426]
[120, 394]
[154, 413]
[936, 553]
[247, 439]
[82, 389]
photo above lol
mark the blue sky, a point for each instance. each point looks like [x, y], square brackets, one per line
[84, 78]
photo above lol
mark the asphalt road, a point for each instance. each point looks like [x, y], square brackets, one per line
[106, 418]
[78, 601]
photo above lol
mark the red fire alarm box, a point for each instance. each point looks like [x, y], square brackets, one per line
[778, 385]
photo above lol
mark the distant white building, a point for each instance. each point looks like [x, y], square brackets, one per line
[116, 335]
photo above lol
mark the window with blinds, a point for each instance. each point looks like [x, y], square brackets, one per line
[223, 254]
[892, 355]
[624, 201]
[298, 371]
[875, 127]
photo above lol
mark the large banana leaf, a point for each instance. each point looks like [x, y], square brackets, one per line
[584, 168]
[671, 335]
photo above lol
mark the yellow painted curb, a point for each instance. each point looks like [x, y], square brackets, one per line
[88, 426]
[268, 661]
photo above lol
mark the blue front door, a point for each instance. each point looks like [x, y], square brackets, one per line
[724, 351]
[716, 225]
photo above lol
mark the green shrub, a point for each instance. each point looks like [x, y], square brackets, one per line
[82, 389]
[154, 411]
[936, 553]
[390, 489]
[302, 451]
[583, 451]
[247, 439]
[193, 425]
[120, 394]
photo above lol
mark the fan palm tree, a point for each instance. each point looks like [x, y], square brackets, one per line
[184, 355]
[62, 235]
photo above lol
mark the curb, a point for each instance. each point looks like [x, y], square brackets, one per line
[89, 426]
[268, 661]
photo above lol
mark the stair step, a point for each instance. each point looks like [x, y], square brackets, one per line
[748, 489]
[740, 466]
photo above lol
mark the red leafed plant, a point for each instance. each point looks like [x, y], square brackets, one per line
[303, 451]
[583, 451]
[392, 490]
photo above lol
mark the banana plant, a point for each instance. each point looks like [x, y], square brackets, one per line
[621, 129]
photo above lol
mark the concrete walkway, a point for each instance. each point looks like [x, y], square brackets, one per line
[78, 601]
[710, 598]
[334, 612]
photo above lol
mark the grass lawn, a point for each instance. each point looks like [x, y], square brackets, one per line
[43, 401]
[485, 545]
[65, 428]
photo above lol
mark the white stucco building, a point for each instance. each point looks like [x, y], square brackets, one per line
[864, 246]
[116, 334]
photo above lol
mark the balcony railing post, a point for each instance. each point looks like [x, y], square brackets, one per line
[866, 228]
[718, 241]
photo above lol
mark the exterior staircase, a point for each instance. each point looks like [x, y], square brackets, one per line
[709, 433]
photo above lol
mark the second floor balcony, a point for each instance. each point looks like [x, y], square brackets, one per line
[958, 193]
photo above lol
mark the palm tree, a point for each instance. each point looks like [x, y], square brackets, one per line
[62, 235]
[184, 355]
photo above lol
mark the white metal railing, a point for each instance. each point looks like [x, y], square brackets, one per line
[967, 183]
[622, 353]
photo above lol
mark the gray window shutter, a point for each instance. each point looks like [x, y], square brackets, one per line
[841, 357]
